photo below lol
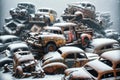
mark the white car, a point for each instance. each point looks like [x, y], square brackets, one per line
[100, 45]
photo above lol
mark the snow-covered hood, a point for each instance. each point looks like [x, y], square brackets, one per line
[47, 34]
[81, 74]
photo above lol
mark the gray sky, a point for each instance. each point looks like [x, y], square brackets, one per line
[59, 5]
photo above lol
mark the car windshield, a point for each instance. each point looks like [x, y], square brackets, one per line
[107, 75]
[23, 49]
[92, 71]
[16, 39]
[108, 62]
[43, 10]
[52, 31]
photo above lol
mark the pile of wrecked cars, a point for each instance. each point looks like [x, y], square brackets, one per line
[77, 48]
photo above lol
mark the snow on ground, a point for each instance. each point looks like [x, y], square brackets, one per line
[8, 76]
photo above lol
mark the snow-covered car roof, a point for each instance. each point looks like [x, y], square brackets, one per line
[55, 63]
[22, 58]
[47, 8]
[5, 37]
[27, 3]
[47, 34]
[52, 28]
[53, 67]
[99, 66]
[81, 73]
[83, 4]
[70, 49]
[102, 41]
[65, 24]
[17, 46]
[52, 57]
[113, 56]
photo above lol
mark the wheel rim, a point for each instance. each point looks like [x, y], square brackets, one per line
[51, 48]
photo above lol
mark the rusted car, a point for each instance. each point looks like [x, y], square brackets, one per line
[100, 45]
[93, 70]
[112, 58]
[74, 56]
[26, 65]
[86, 8]
[76, 34]
[49, 39]
[66, 57]
[70, 55]
[52, 63]
[44, 16]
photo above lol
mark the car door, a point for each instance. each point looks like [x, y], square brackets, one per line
[70, 60]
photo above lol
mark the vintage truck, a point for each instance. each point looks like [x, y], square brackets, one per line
[76, 34]
[48, 39]
[60, 34]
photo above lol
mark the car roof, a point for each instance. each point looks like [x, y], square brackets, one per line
[102, 41]
[52, 55]
[29, 3]
[70, 49]
[17, 46]
[113, 56]
[81, 73]
[52, 28]
[99, 66]
[26, 58]
[64, 24]
[5, 37]
[47, 8]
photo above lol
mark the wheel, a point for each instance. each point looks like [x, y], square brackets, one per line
[50, 47]
[19, 72]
